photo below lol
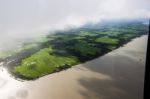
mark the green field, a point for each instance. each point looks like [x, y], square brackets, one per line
[43, 62]
[107, 40]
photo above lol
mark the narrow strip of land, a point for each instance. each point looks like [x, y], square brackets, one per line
[116, 75]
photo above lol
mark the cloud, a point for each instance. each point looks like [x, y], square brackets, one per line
[30, 18]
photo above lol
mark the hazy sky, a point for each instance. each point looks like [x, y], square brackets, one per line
[25, 18]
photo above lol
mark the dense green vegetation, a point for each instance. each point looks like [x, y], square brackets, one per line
[64, 49]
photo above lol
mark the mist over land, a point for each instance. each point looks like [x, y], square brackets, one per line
[24, 19]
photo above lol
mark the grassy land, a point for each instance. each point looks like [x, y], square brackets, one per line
[43, 62]
[128, 36]
[107, 40]
[67, 48]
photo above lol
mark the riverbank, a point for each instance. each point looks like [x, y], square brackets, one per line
[116, 75]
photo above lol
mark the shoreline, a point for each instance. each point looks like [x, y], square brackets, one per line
[117, 75]
[24, 78]
[95, 58]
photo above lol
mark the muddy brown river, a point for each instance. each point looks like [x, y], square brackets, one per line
[116, 75]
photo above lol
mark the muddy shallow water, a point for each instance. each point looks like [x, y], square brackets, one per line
[116, 75]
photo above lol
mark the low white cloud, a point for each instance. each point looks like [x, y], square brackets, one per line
[30, 18]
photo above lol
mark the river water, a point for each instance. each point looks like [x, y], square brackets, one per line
[116, 75]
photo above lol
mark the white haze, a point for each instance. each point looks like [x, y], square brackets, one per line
[21, 19]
